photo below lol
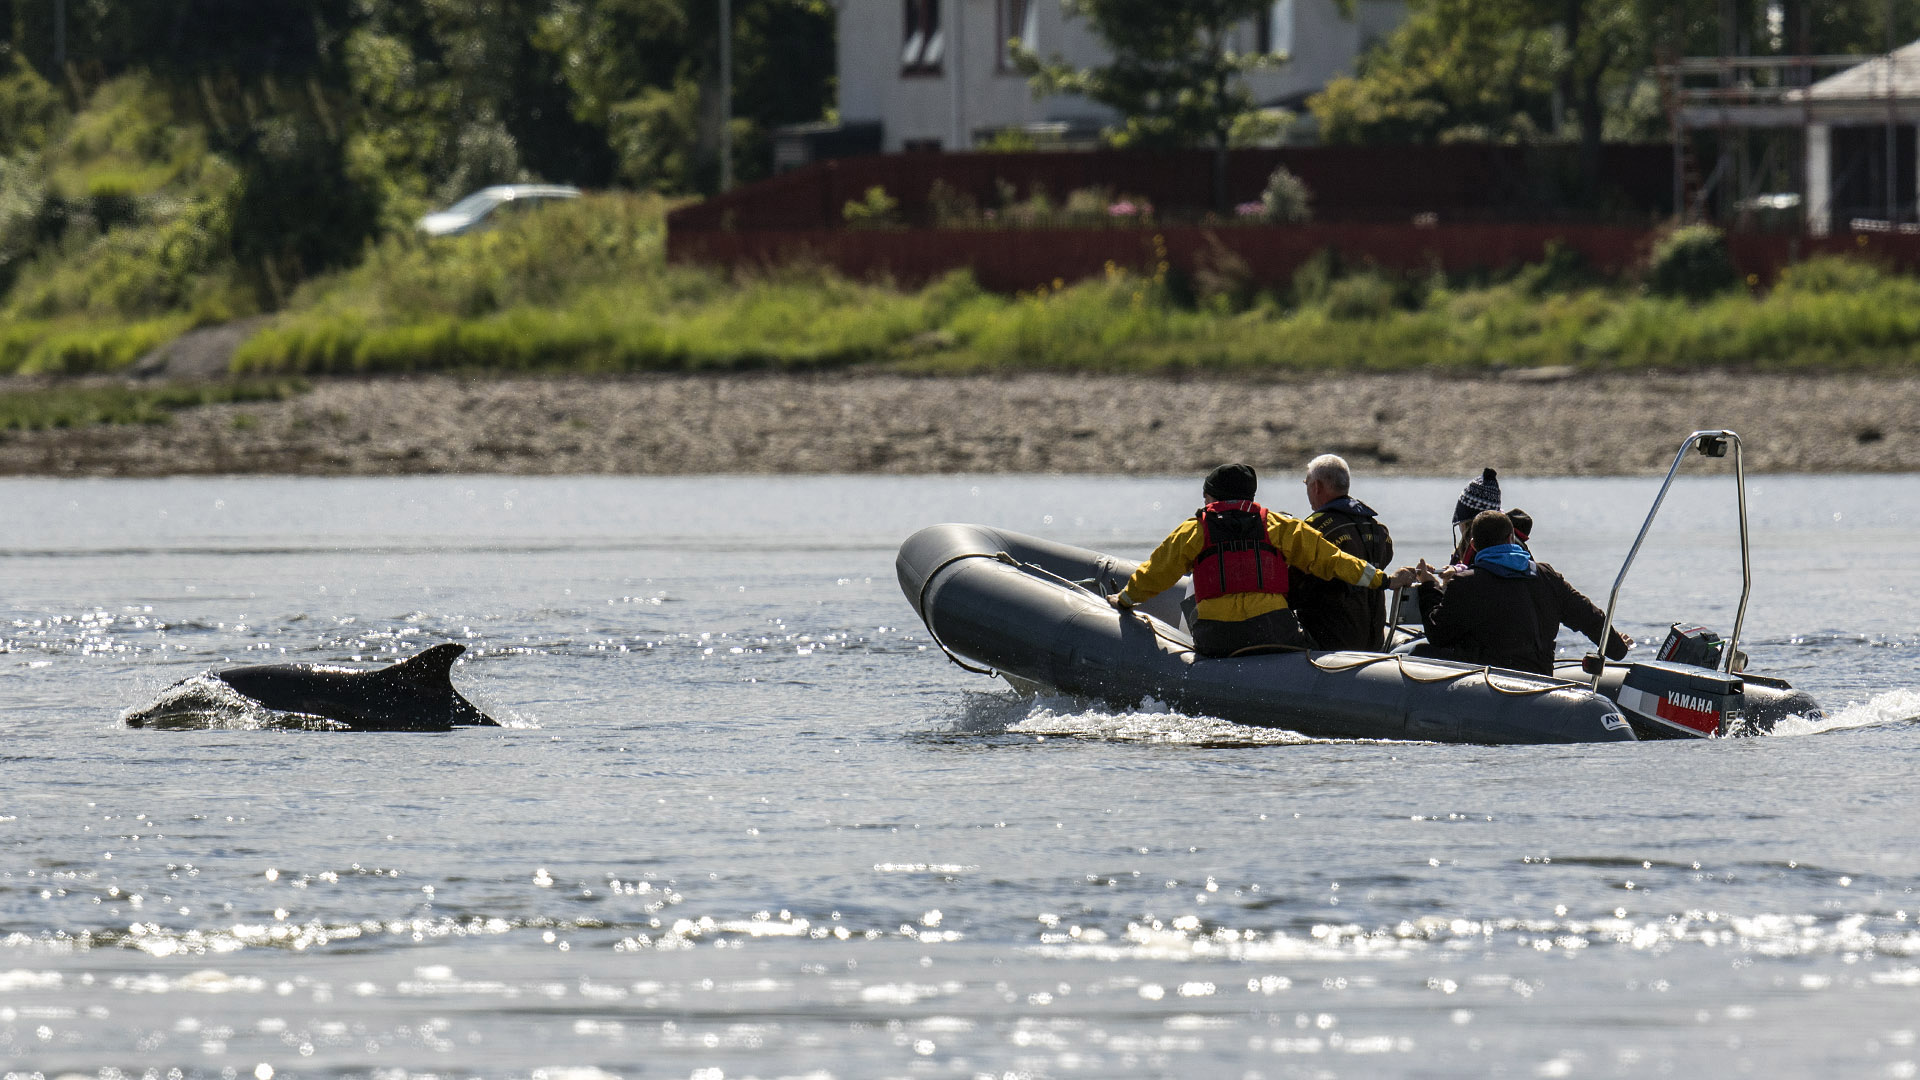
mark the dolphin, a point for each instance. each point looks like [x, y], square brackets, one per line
[416, 694]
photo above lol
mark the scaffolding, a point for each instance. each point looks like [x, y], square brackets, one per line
[1837, 129]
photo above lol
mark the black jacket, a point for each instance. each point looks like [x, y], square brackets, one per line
[1339, 615]
[1509, 622]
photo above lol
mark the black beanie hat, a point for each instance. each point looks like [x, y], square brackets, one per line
[1481, 494]
[1522, 525]
[1231, 482]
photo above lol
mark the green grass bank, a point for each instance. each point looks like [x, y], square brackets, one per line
[584, 287]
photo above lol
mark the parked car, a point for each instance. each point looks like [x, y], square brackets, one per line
[479, 210]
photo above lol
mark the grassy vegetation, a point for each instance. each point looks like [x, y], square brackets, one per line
[76, 345]
[584, 286]
[41, 408]
[136, 216]
[139, 205]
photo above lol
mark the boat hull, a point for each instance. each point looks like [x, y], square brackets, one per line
[1003, 601]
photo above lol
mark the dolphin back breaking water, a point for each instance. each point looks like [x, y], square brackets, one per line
[416, 694]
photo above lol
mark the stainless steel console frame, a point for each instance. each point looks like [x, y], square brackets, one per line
[1709, 444]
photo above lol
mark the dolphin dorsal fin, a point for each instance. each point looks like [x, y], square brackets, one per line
[432, 667]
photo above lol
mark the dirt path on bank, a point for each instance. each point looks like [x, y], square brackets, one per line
[846, 423]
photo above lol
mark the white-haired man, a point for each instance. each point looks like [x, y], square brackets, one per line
[1338, 615]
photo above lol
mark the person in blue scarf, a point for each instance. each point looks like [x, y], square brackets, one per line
[1507, 608]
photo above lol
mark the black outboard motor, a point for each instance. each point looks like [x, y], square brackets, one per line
[1683, 695]
[1694, 645]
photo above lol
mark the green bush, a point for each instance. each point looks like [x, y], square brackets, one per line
[30, 108]
[1361, 296]
[1691, 262]
[1286, 198]
[1832, 274]
[874, 210]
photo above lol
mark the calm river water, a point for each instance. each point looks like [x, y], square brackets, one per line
[744, 822]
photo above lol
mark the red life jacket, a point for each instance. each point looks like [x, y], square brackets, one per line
[1237, 556]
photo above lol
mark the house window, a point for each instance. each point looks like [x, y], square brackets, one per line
[926, 38]
[1017, 23]
[1273, 30]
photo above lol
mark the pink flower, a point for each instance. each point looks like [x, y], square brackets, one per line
[1123, 208]
[1250, 209]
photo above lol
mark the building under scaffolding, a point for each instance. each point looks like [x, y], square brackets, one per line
[1824, 143]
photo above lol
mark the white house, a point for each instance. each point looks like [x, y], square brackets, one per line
[938, 74]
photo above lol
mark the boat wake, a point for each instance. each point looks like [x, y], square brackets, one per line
[1067, 717]
[1892, 707]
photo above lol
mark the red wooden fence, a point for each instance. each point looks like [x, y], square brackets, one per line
[1013, 259]
[1633, 183]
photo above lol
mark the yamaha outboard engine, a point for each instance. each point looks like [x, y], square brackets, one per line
[1665, 700]
[1683, 695]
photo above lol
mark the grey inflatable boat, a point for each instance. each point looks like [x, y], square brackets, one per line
[1002, 603]
[1033, 612]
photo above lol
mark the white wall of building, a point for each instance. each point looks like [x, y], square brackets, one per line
[972, 90]
[1819, 197]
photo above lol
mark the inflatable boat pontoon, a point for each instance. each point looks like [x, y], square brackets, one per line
[1033, 612]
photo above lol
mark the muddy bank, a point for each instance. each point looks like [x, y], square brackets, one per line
[1404, 424]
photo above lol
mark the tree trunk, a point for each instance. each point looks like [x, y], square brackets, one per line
[1572, 22]
[1222, 132]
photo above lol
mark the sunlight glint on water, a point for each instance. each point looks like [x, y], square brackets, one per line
[750, 824]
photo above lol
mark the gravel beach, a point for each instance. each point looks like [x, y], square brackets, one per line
[1536, 423]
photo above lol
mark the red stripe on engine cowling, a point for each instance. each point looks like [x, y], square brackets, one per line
[1704, 722]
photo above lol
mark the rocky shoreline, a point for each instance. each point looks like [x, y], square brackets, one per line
[1536, 423]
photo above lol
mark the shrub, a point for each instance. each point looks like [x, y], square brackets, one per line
[874, 210]
[1316, 276]
[1832, 274]
[1691, 262]
[1563, 270]
[1222, 280]
[950, 206]
[1087, 206]
[30, 107]
[1286, 198]
[1031, 212]
[1361, 297]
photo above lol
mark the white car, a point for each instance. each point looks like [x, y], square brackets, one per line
[474, 211]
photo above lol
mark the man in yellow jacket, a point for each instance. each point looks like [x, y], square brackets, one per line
[1238, 553]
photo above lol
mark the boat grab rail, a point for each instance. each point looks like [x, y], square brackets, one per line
[1709, 444]
[1485, 671]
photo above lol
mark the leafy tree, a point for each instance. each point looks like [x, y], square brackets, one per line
[1173, 75]
[646, 72]
[260, 141]
[1572, 70]
[1456, 70]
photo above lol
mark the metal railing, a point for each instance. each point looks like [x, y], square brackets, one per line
[1709, 444]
